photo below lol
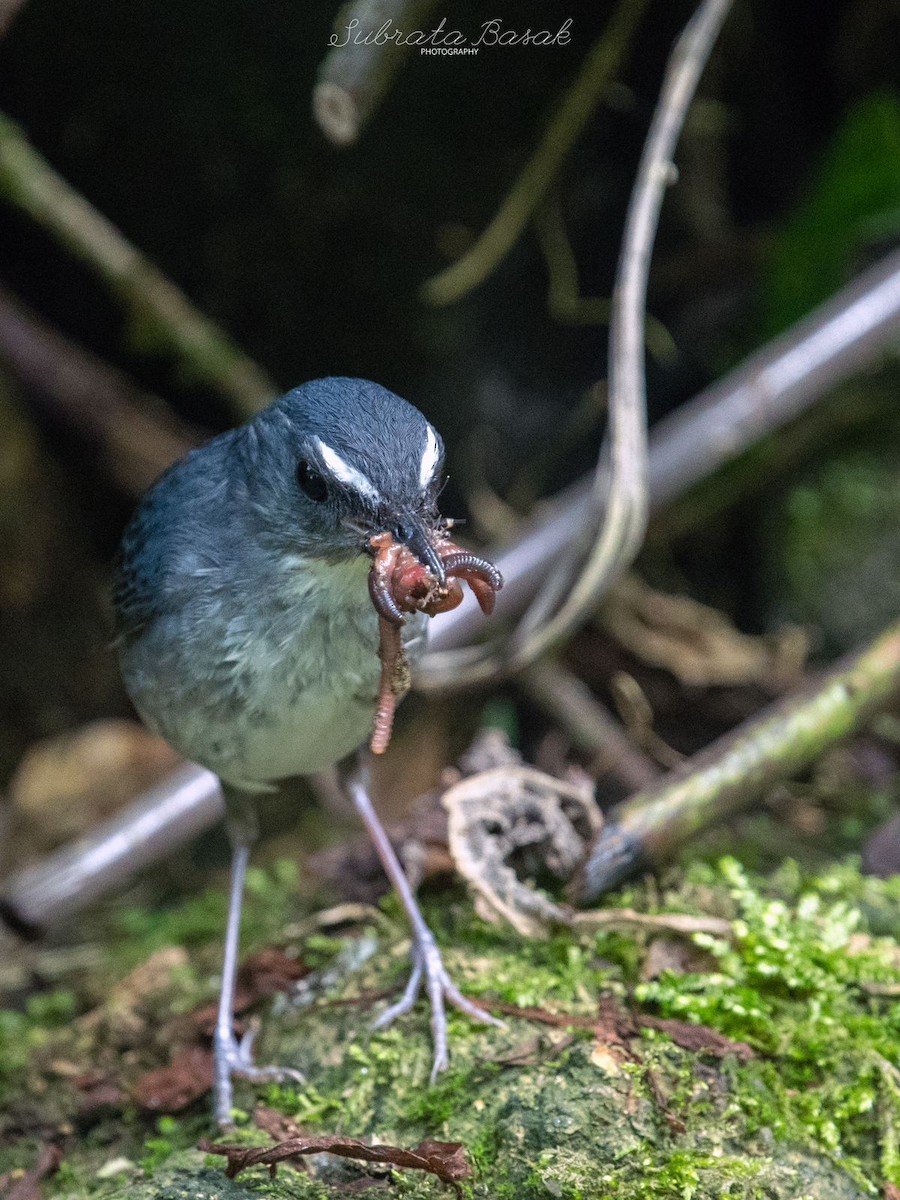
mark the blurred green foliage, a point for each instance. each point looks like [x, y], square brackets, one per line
[851, 210]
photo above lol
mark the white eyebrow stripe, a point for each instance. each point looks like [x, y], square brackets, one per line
[430, 457]
[345, 473]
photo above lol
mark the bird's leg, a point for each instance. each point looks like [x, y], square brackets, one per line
[428, 966]
[230, 1056]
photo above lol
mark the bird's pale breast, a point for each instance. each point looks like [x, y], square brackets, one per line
[276, 681]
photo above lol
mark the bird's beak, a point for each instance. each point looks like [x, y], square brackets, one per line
[411, 532]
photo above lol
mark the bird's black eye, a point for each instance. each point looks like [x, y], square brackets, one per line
[311, 482]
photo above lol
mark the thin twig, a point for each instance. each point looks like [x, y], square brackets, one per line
[624, 495]
[565, 302]
[620, 491]
[780, 381]
[158, 311]
[137, 435]
[571, 704]
[729, 776]
[355, 76]
[563, 129]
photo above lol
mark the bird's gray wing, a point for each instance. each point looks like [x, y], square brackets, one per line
[182, 509]
[138, 573]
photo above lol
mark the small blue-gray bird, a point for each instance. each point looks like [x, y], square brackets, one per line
[247, 636]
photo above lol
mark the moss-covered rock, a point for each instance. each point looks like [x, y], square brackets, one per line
[543, 1110]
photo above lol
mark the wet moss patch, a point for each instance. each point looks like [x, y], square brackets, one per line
[808, 979]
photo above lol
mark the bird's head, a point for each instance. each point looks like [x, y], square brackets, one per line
[333, 462]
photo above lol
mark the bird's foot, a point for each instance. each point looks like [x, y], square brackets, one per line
[428, 969]
[234, 1059]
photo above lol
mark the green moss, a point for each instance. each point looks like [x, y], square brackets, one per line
[814, 1114]
[853, 204]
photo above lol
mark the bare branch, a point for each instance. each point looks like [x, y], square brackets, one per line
[137, 434]
[155, 305]
[775, 385]
[354, 78]
[730, 776]
[563, 130]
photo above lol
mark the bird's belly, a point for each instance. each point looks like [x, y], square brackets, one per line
[282, 707]
[297, 734]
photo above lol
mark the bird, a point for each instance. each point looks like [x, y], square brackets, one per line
[247, 637]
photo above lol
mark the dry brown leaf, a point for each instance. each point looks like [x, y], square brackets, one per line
[446, 1160]
[174, 1087]
[514, 816]
[261, 975]
[696, 643]
[28, 1185]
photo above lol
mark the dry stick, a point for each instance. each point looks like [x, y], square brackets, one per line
[570, 703]
[137, 435]
[159, 313]
[563, 129]
[354, 78]
[565, 302]
[776, 384]
[620, 495]
[9, 10]
[729, 776]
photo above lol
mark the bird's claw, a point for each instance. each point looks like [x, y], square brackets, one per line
[428, 968]
[234, 1059]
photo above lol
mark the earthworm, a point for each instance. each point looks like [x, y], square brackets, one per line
[466, 564]
[399, 584]
[390, 651]
[381, 578]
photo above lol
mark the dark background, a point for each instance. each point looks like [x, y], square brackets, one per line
[189, 126]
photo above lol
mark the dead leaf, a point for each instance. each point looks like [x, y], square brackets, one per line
[446, 1160]
[268, 972]
[699, 645]
[891, 1191]
[27, 1186]
[515, 821]
[698, 1038]
[674, 956]
[172, 1088]
[259, 976]
[278, 1125]
[97, 1091]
